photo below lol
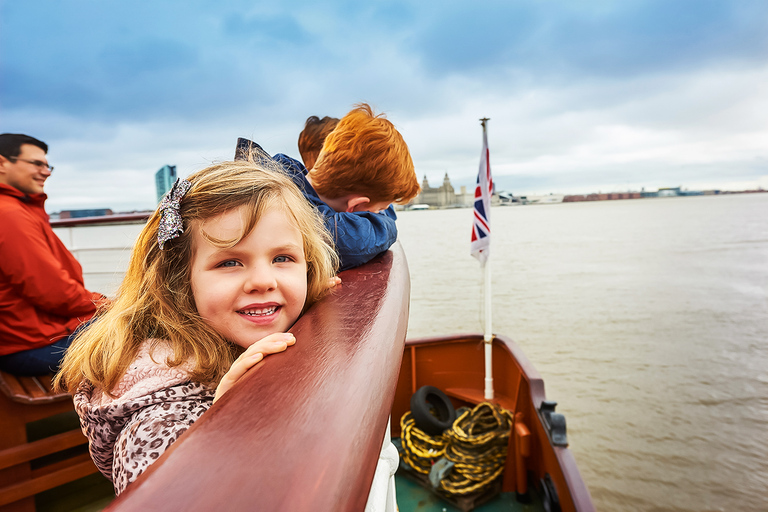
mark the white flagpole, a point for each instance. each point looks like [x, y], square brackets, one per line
[488, 330]
[488, 334]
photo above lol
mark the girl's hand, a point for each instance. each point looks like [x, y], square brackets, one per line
[333, 281]
[252, 356]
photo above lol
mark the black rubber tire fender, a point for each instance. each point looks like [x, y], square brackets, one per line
[426, 399]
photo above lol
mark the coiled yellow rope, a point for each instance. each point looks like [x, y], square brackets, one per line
[420, 450]
[476, 444]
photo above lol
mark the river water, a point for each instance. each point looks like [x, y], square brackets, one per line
[647, 319]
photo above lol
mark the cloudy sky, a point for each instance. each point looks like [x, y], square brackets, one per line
[583, 96]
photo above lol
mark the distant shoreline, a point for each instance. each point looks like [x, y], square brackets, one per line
[72, 215]
[509, 200]
[612, 196]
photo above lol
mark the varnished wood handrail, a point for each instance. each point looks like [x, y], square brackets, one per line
[304, 431]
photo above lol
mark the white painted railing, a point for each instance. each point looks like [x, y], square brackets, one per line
[102, 249]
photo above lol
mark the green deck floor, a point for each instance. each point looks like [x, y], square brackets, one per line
[88, 494]
[411, 497]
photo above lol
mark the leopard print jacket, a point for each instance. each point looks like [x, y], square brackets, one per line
[153, 406]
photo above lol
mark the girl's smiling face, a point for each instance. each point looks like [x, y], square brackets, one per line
[256, 288]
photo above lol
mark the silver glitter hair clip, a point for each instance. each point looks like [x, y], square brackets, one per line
[170, 217]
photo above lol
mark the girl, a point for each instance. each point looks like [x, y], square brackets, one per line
[226, 265]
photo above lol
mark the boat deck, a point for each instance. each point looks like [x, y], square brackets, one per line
[89, 494]
[93, 493]
[411, 497]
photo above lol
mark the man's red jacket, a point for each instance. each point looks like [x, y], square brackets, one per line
[42, 294]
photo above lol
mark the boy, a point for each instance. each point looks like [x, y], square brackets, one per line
[364, 166]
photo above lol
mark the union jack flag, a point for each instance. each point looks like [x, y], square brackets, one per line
[481, 224]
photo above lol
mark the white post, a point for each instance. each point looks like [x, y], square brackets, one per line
[488, 333]
[382, 497]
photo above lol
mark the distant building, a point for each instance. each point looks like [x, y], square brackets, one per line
[443, 196]
[164, 179]
[608, 197]
[506, 198]
[77, 214]
[662, 192]
[669, 192]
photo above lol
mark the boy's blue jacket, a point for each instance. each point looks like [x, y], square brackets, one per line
[359, 236]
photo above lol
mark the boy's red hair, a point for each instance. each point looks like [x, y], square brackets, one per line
[365, 155]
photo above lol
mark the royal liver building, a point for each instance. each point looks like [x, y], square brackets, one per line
[443, 196]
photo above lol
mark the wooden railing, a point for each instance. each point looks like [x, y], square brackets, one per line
[304, 431]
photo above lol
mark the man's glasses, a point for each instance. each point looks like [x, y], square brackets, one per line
[36, 163]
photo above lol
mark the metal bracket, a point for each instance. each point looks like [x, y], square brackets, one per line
[554, 423]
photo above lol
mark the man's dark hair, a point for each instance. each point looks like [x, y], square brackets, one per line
[10, 144]
[312, 137]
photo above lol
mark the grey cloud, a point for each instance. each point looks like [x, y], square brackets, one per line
[560, 40]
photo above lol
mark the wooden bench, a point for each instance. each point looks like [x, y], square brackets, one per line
[24, 400]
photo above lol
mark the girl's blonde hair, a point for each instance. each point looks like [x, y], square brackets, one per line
[155, 299]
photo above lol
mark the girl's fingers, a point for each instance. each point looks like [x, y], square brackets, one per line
[271, 344]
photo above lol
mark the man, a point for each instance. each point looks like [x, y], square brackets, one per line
[42, 296]
[363, 167]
